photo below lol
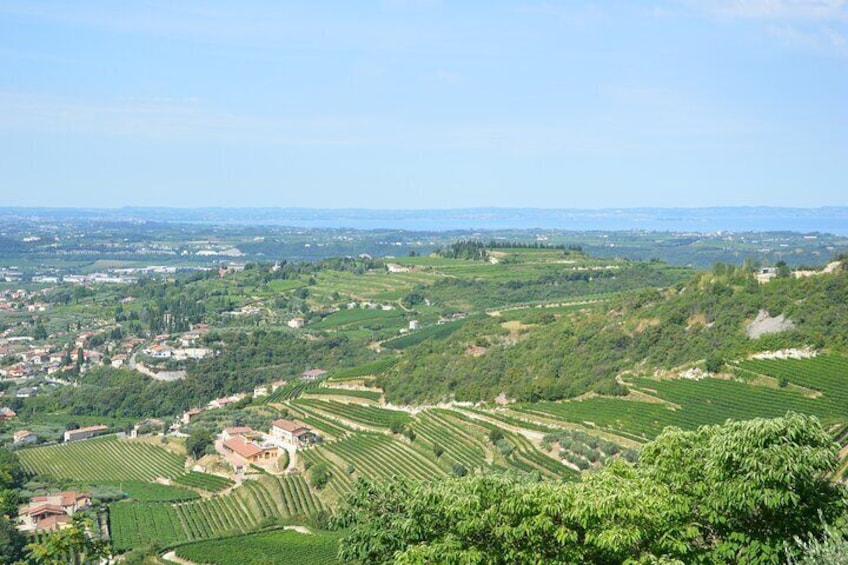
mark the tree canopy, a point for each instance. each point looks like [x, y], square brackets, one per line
[741, 492]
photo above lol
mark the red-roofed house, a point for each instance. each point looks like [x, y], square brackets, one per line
[24, 437]
[250, 451]
[52, 511]
[6, 413]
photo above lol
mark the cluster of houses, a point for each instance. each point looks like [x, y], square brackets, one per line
[51, 512]
[222, 402]
[310, 375]
[244, 445]
[37, 359]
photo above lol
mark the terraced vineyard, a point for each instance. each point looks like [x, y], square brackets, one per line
[204, 481]
[420, 336]
[340, 479]
[827, 374]
[154, 492]
[693, 403]
[377, 455]
[107, 459]
[437, 429]
[357, 413]
[372, 395]
[289, 391]
[256, 503]
[522, 454]
[369, 369]
[282, 547]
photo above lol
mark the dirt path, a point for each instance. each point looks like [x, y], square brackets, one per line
[172, 557]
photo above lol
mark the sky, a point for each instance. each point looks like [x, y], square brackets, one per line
[417, 104]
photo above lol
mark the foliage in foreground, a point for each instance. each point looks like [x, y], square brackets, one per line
[735, 493]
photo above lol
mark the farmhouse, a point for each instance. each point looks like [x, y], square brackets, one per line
[26, 392]
[84, 433]
[189, 415]
[250, 451]
[292, 432]
[52, 511]
[245, 431]
[24, 437]
[296, 323]
[6, 413]
[395, 268]
[225, 401]
[147, 426]
[313, 374]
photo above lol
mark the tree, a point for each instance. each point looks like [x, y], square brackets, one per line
[319, 476]
[735, 493]
[197, 442]
[40, 332]
[75, 541]
[11, 541]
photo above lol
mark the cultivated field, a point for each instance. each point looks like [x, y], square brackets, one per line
[255, 504]
[275, 548]
[103, 459]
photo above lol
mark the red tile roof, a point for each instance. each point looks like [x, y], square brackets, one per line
[42, 509]
[54, 522]
[241, 447]
[290, 426]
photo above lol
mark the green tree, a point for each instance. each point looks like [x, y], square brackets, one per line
[319, 476]
[197, 442]
[11, 542]
[735, 493]
[72, 545]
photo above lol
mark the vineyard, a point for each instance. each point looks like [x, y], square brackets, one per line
[369, 369]
[688, 404]
[419, 336]
[516, 450]
[827, 374]
[256, 504]
[377, 455]
[372, 395]
[367, 441]
[204, 481]
[357, 413]
[439, 431]
[282, 547]
[155, 492]
[289, 391]
[106, 459]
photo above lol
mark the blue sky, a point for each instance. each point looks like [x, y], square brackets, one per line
[424, 104]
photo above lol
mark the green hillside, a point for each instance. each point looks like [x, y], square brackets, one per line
[700, 322]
